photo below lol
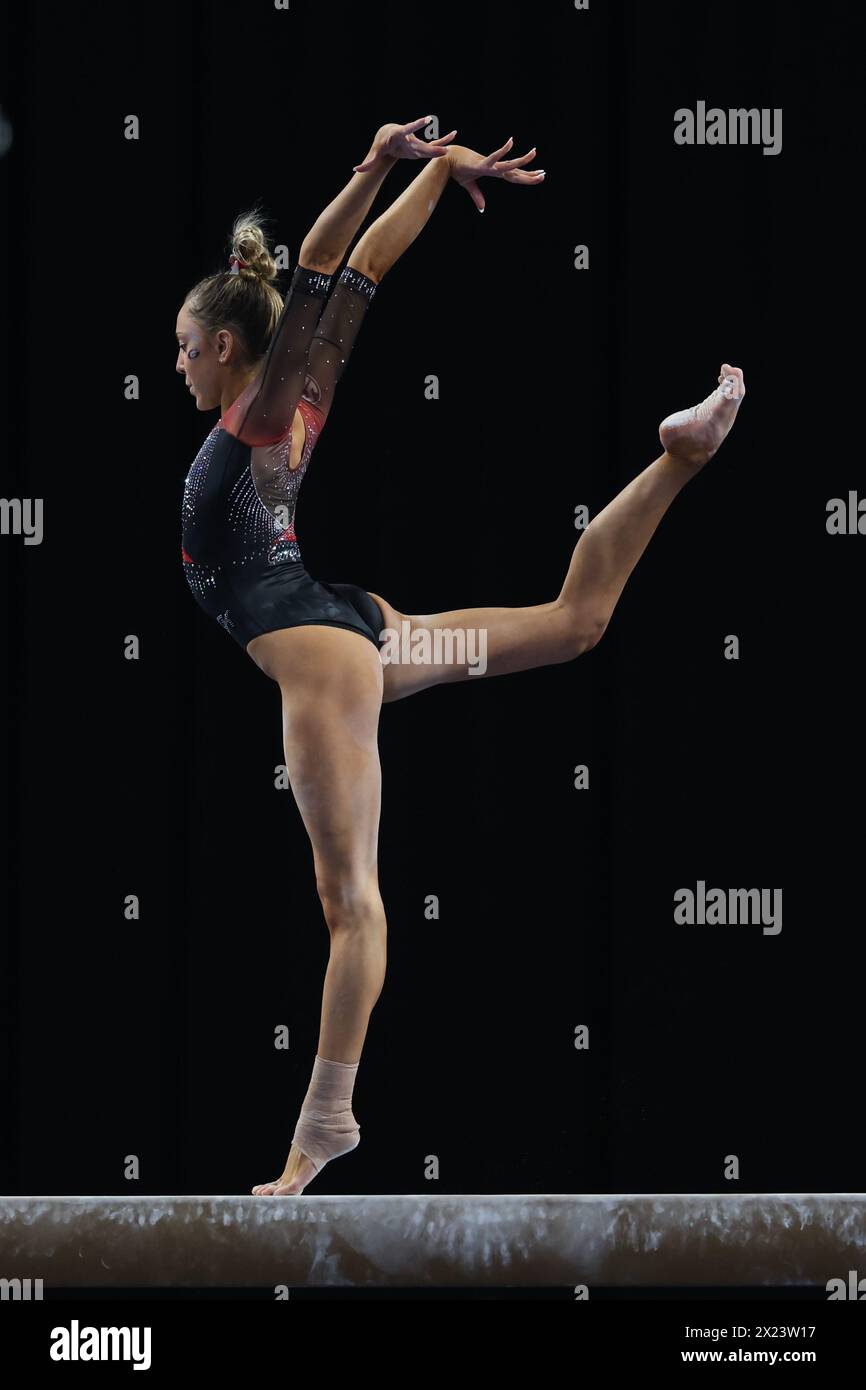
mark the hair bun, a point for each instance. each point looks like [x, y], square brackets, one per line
[251, 306]
[250, 248]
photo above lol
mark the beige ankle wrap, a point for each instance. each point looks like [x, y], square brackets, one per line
[326, 1127]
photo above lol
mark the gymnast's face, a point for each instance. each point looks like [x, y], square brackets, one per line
[198, 360]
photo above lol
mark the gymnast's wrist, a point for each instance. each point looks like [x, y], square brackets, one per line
[382, 163]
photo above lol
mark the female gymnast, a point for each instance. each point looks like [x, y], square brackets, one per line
[272, 366]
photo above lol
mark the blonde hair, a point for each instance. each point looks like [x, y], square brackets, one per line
[248, 302]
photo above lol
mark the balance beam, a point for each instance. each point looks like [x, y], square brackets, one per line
[737, 1239]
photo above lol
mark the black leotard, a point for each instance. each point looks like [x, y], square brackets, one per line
[240, 554]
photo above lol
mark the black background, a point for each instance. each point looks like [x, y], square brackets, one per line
[155, 777]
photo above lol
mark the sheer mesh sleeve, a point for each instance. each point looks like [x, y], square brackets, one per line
[335, 337]
[264, 411]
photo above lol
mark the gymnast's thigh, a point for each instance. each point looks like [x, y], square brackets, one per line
[331, 685]
[409, 659]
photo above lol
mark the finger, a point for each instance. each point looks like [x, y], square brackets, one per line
[367, 164]
[427, 149]
[497, 154]
[475, 194]
[525, 176]
[516, 163]
[415, 148]
[422, 150]
[415, 125]
[443, 139]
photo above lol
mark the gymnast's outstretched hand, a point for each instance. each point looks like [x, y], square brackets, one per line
[401, 142]
[467, 167]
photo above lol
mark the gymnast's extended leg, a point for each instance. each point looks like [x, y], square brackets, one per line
[604, 557]
[331, 686]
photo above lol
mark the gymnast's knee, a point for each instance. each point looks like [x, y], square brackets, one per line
[592, 636]
[578, 633]
[350, 899]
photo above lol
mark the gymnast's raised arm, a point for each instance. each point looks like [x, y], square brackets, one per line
[263, 412]
[383, 243]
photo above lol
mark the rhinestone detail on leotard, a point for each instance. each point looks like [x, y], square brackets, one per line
[259, 508]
